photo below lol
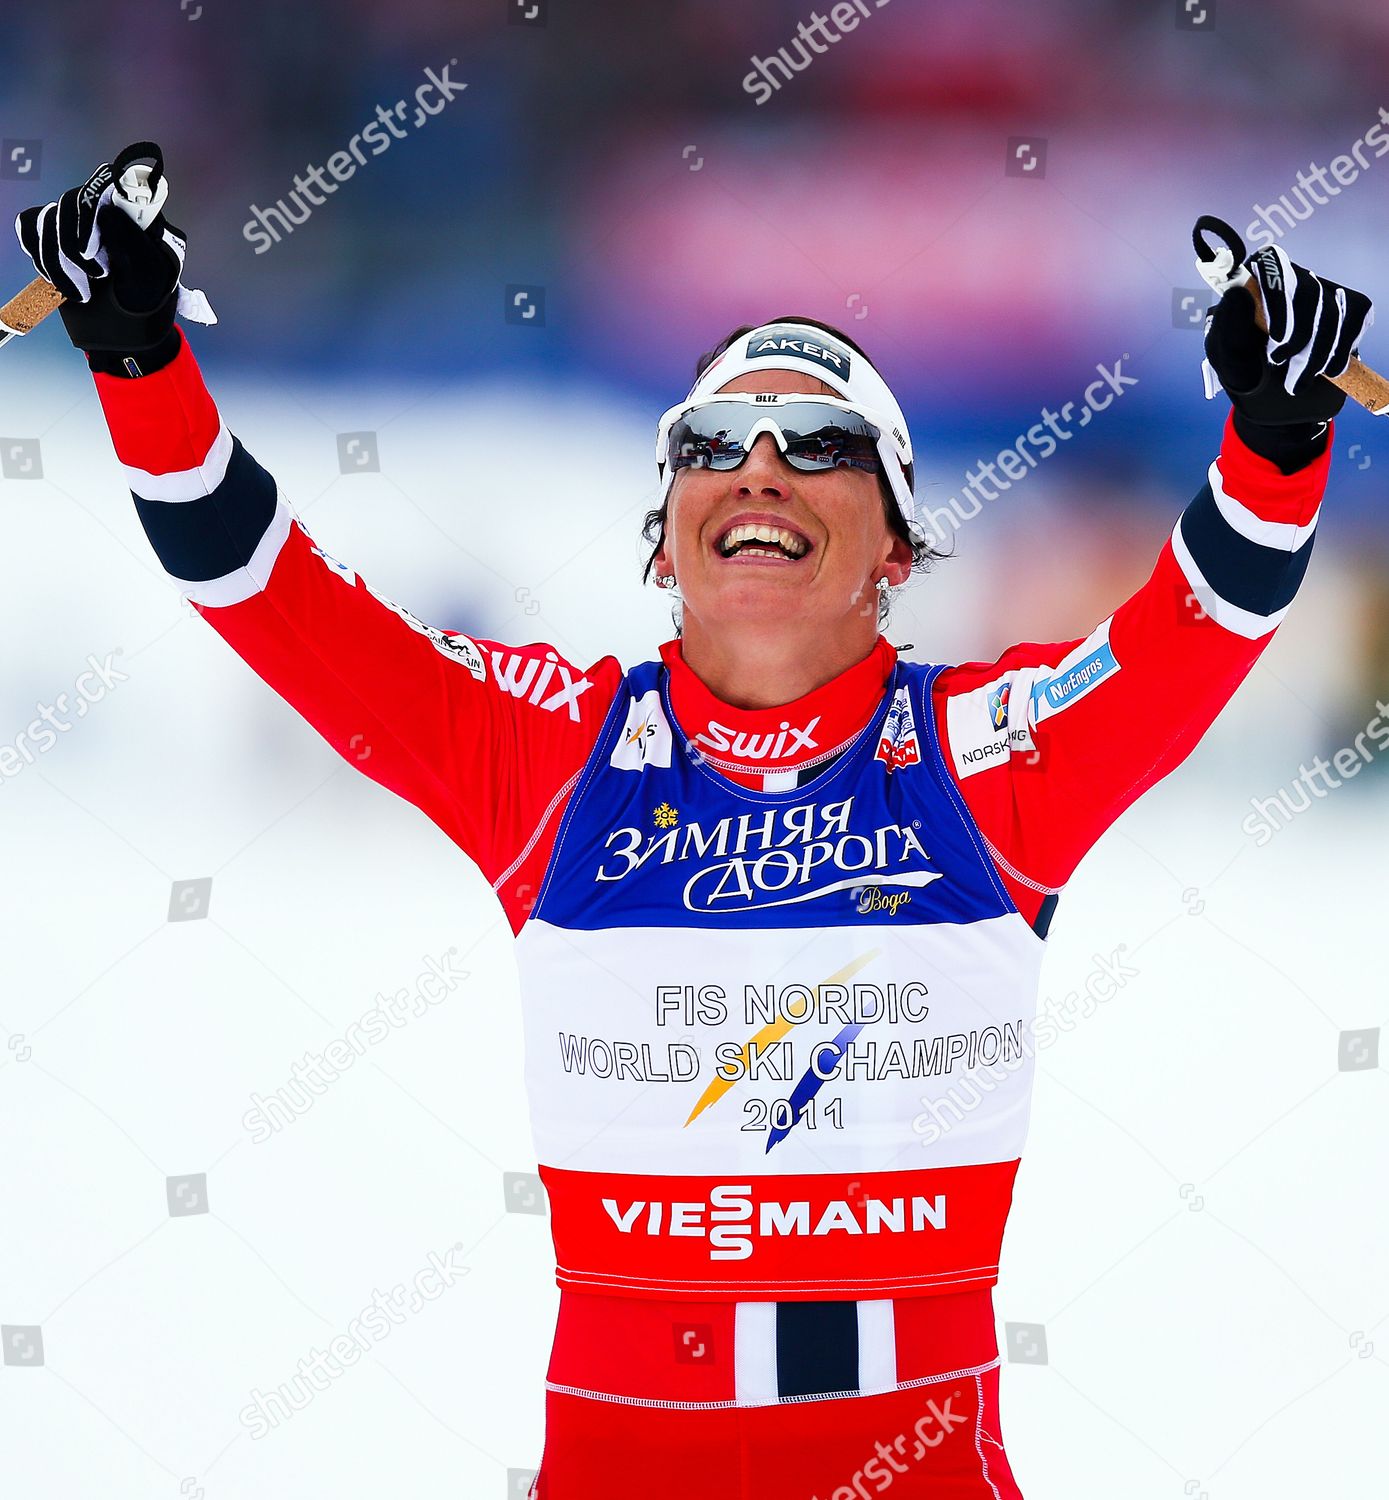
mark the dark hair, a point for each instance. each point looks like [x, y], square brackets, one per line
[653, 528]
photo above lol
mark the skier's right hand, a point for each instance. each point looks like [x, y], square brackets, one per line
[120, 283]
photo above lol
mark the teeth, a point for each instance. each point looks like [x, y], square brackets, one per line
[790, 543]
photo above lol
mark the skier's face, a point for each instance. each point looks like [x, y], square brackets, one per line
[835, 542]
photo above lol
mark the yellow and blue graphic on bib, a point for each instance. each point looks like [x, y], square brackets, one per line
[811, 1081]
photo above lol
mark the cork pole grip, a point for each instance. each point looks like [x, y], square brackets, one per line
[1360, 382]
[1365, 385]
[27, 309]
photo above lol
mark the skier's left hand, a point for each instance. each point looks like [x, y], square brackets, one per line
[1274, 379]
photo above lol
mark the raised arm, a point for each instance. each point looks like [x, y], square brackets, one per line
[1050, 743]
[434, 715]
[482, 737]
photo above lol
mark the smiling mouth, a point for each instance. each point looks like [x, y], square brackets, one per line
[756, 540]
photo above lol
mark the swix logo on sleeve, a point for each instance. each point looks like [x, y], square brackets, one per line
[774, 745]
[546, 683]
[776, 345]
[645, 739]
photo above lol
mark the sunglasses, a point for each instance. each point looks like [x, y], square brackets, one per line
[814, 433]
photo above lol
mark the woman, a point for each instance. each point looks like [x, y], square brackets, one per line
[777, 893]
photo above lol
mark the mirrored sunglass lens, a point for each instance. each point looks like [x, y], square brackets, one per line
[699, 446]
[817, 437]
[833, 446]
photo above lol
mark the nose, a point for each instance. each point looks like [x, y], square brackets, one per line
[763, 471]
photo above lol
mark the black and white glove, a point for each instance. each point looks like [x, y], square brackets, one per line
[1274, 379]
[120, 282]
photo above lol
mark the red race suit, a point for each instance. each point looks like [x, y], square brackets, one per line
[762, 955]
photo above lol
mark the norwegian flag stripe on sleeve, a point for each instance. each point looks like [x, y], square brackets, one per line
[1244, 542]
[214, 517]
[222, 544]
[185, 484]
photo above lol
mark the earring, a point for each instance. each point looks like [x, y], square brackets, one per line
[665, 580]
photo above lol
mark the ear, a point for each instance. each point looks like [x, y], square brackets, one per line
[661, 558]
[897, 565]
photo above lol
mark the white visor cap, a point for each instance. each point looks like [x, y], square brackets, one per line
[812, 351]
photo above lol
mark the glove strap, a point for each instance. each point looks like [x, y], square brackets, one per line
[132, 366]
[1291, 447]
[1220, 269]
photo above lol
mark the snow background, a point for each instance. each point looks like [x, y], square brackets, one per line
[1200, 1225]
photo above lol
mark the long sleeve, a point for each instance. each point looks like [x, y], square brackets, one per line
[1050, 743]
[481, 736]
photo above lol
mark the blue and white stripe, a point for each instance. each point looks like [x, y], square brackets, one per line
[1243, 571]
[217, 528]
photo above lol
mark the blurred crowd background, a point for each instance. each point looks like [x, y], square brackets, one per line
[454, 366]
[609, 164]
